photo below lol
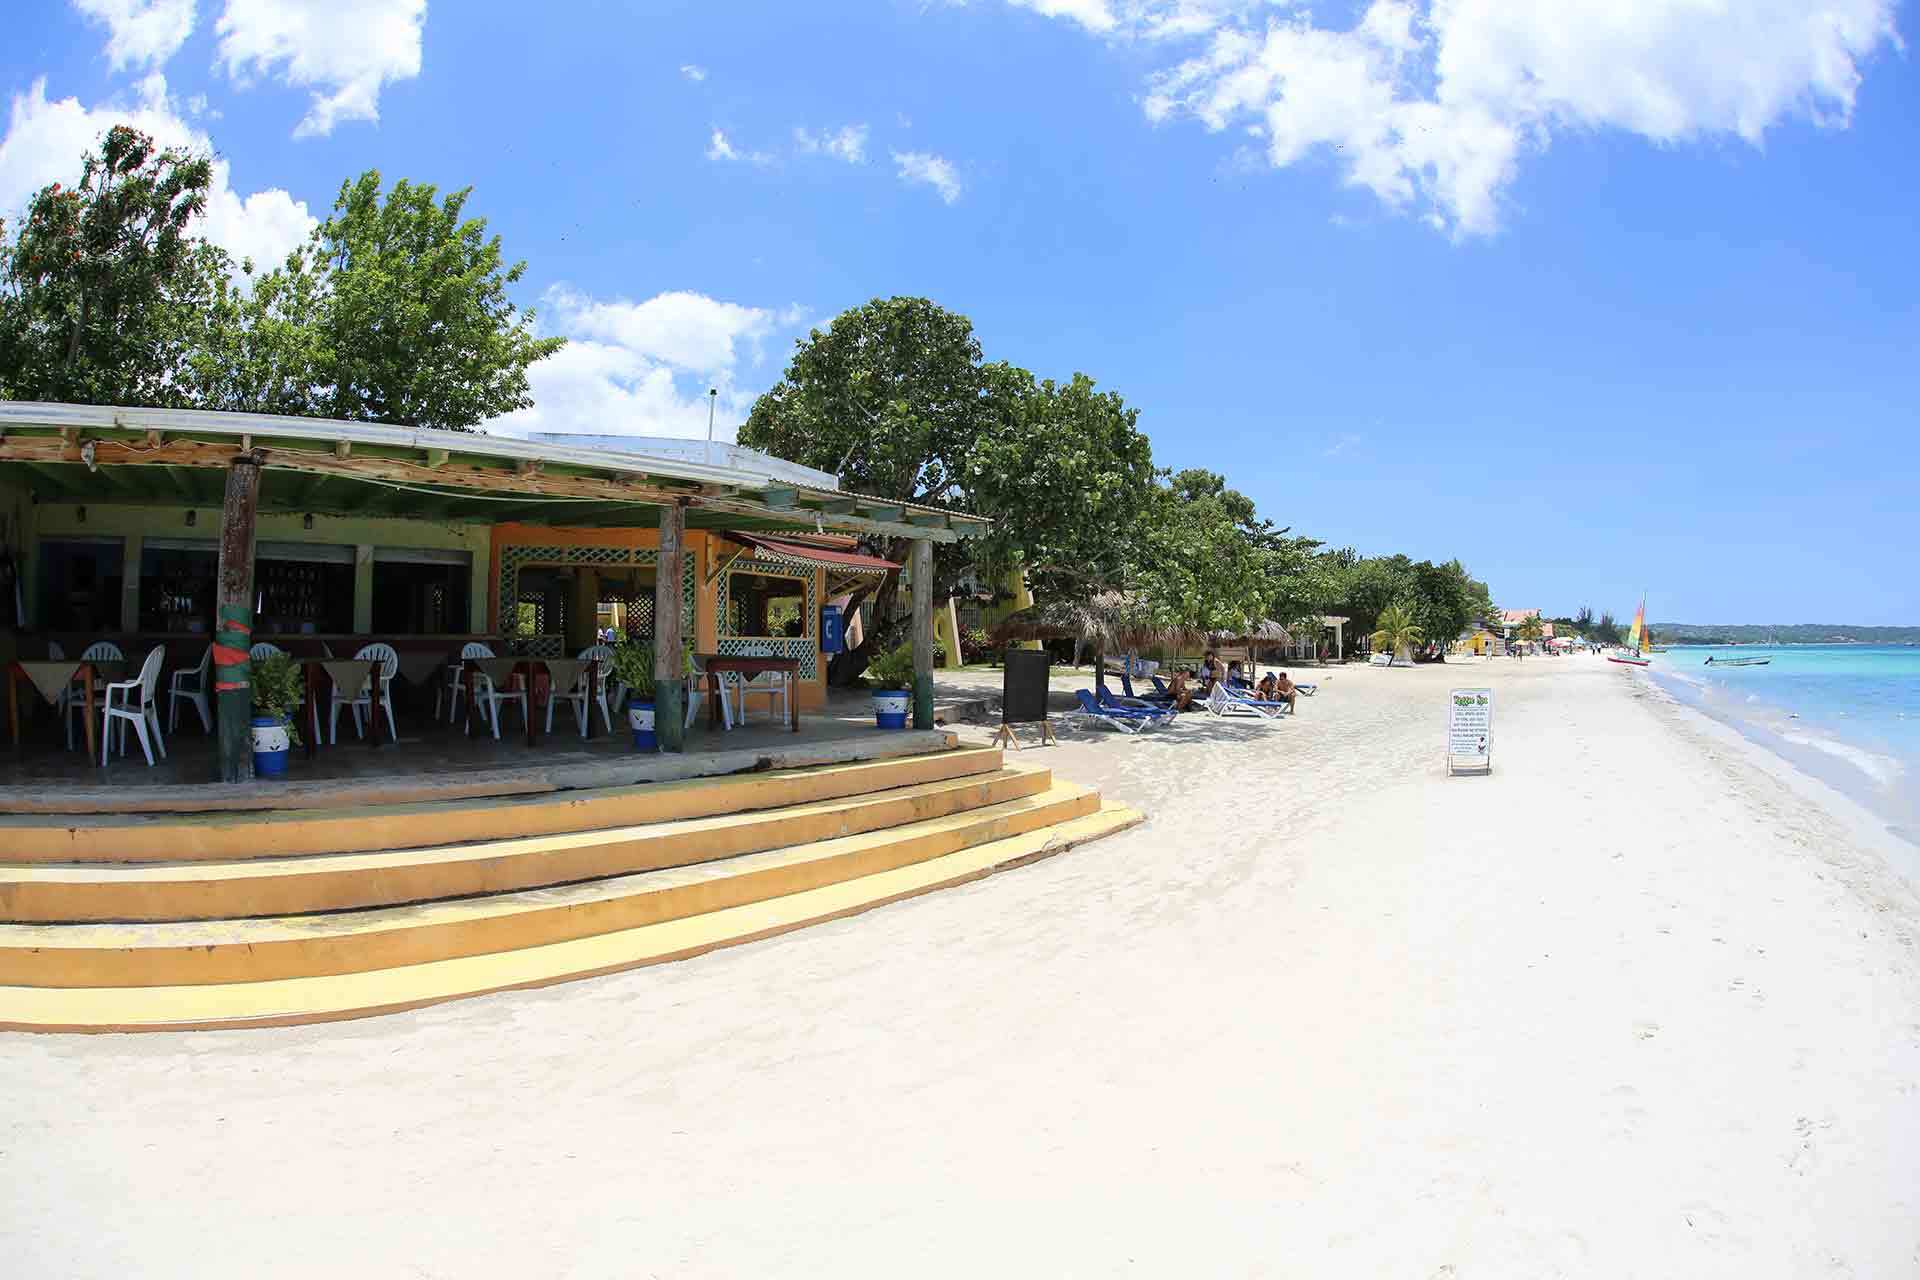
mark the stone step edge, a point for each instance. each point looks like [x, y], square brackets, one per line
[536, 777]
[215, 952]
[294, 1001]
[304, 832]
[72, 894]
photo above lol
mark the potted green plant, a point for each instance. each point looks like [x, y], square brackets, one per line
[278, 691]
[633, 667]
[891, 677]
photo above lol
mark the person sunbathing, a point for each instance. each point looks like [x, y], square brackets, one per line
[1182, 691]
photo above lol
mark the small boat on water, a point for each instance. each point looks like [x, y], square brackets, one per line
[1639, 642]
[1738, 662]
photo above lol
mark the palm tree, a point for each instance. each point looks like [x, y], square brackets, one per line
[1531, 630]
[1396, 631]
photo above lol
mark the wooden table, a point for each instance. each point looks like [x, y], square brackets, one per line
[24, 670]
[523, 668]
[715, 664]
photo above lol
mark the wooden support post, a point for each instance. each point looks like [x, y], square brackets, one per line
[233, 622]
[922, 633]
[669, 671]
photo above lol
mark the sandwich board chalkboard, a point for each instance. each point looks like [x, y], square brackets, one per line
[1470, 731]
[1023, 695]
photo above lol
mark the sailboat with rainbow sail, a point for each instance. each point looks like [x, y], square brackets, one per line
[1639, 641]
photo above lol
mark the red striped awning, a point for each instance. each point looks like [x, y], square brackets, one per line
[809, 554]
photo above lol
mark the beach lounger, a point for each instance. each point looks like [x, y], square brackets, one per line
[1125, 719]
[1223, 703]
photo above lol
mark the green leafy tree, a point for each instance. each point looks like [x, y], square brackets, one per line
[1396, 632]
[1371, 585]
[1196, 561]
[889, 398]
[1444, 598]
[1065, 474]
[411, 319]
[259, 349]
[101, 288]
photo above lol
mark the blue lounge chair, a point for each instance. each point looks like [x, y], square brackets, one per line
[1125, 719]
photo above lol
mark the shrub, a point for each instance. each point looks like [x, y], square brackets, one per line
[278, 688]
[892, 670]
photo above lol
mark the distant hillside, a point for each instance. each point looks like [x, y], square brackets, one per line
[1796, 633]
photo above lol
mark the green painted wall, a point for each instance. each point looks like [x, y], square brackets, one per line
[53, 520]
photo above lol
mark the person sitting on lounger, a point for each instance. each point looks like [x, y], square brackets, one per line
[1182, 691]
[1269, 688]
[1212, 671]
[1284, 691]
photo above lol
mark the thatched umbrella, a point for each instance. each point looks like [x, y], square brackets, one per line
[1115, 620]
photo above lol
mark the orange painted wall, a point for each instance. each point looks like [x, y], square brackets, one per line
[707, 551]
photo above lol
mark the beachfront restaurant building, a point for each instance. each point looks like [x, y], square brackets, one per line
[401, 867]
[190, 529]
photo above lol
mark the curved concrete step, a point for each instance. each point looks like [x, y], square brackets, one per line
[180, 891]
[321, 999]
[257, 950]
[229, 837]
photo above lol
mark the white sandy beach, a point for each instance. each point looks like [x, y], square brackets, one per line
[1642, 1003]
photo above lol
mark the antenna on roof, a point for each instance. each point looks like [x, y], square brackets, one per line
[713, 398]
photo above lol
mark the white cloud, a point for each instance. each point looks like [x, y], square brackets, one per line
[140, 33]
[848, 143]
[45, 141]
[643, 368]
[1094, 15]
[1148, 19]
[936, 172]
[694, 72]
[722, 148]
[345, 51]
[1433, 104]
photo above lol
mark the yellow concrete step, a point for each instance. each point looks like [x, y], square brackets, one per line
[228, 837]
[259, 950]
[78, 893]
[323, 999]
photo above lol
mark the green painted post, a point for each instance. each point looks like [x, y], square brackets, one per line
[669, 671]
[233, 623]
[922, 633]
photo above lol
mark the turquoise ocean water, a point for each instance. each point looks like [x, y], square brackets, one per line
[1848, 713]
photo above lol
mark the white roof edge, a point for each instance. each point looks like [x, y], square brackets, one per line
[687, 449]
[42, 413]
[103, 417]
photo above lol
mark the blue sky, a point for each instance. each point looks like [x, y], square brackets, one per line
[1595, 301]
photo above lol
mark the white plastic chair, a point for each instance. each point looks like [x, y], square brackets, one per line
[485, 695]
[580, 695]
[697, 695]
[771, 685]
[132, 703]
[366, 694]
[264, 650]
[189, 685]
[74, 700]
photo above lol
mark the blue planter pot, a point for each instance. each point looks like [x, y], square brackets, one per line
[640, 720]
[272, 744]
[890, 708]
